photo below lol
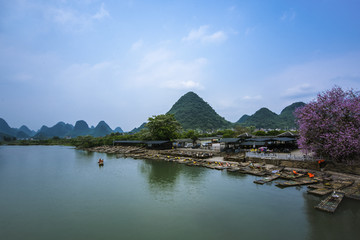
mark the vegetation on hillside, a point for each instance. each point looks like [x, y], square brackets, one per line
[192, 112]
[264, 118]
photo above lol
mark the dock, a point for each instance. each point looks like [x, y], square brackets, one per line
[330, 203]
[298, 182]
[267, 179]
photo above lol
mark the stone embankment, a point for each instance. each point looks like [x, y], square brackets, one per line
[223, 161]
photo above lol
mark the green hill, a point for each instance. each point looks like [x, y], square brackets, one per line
[6, 129]
[7, 132]
[27, 131]
[81, 128]
[192, 112]
[264, 118]
[60, 129]
[102, 129]
[287, 118]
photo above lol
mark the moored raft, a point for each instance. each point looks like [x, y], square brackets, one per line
[352, 191]
[330, 203]
[320, 191]
[290, 175]
[267, 179]
[298, 182]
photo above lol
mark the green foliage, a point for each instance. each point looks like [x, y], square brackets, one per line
[192, 134]
[163, 127]
[260, 133]
[193, 112]
[264, 118]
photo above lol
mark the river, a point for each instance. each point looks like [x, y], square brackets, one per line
[57, 192]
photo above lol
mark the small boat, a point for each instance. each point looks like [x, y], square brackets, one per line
[101, 162]
[320, 191]
[290, 175]
[352, 191]
[297, 182]
[330, 203]
[267, 179]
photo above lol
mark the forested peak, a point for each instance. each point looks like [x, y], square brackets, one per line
[102, 124]
[194, 113]
[81, 125]
[291, 108]
[3, 124]
[265, 111]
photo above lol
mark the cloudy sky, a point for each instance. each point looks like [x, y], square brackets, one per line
[124, 61]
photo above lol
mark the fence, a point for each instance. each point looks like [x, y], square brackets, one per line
[282, 156]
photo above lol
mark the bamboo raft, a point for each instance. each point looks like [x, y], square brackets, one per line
[330, 203]
[290, 175]
[320, 191]
[326, 188]
[352, 191]
[267, 179]
[304, 181]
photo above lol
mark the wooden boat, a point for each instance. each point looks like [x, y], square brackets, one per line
[340, 184]
[330, 203]
[352, 191]
[233, 169]
[267, 179]
[101, 162]
[290, 175]
[320, 191]
[253, 171]
[298, 182]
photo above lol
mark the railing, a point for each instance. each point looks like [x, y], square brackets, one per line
[283, 156]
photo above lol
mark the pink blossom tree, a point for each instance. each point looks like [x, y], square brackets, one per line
[330, 125]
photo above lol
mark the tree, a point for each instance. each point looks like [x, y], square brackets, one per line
[192, 135]
[163, 127]
[330, 125]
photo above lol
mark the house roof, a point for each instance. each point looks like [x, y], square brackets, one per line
[183, 140]
[252, 143]
[245, 135]
[159, 142]
[129, 141]
[287, 134]
[230, 140]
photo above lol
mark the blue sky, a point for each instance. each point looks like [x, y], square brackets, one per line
[124, 61]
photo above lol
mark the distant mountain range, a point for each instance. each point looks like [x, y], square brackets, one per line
[264, 118]
[191, 111]
[194, 113]
[60, 129]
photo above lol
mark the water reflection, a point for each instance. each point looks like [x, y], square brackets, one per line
[84, 154]
[159, 175]
[165, 176]
[340, 225]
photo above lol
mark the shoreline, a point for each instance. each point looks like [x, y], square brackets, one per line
[220, 161]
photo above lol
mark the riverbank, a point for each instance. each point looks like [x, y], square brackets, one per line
[233, 162]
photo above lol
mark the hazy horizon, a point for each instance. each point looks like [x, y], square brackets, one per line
[124, 61]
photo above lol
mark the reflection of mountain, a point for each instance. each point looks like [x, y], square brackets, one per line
[160, 175]
[163, 176]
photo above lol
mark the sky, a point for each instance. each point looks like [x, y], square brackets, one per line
[125, 61]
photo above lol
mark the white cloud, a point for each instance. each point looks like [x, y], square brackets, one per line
[250, 98]
[74, 20]
[162, 69]
[304, 81]
[101, 13]
[288, 15]
[249, 30]
[137, 45]
[302, 90]
[202, 34]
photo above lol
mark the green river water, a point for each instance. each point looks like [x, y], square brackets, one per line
[56, 192]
